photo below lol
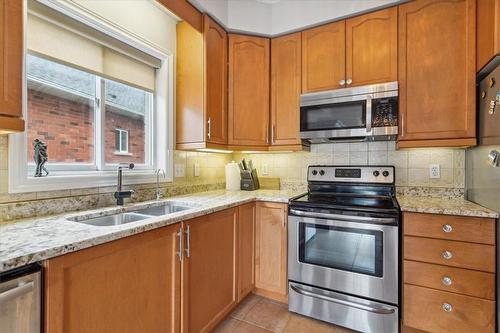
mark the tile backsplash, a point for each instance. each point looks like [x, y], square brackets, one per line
[412, 165]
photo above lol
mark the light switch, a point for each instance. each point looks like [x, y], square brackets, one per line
[434, 171]
[196, 170]
[180, 170]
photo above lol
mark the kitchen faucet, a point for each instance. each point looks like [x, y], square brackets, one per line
[119, 194]
[158, 192]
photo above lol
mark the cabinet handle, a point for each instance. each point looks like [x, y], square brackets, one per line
[349, 81]
[446, 281]
[447, 228]
[447, 255]
[209, 132]
[188, 241]
[267, 134]
[342, 82]
[447, 307]
[180, 235]
[273, 129]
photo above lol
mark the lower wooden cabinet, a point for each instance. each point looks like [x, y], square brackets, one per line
[246, 250]
[128, 285]
[209, 270]
[271, 251]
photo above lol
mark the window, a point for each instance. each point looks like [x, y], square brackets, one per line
[97, 96]
[79, 114]
[121, 141]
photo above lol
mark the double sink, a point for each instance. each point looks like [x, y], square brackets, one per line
[166, 208]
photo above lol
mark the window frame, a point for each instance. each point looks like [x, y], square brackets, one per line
[74, 177]
[120, 150]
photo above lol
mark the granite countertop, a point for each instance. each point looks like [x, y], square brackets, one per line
[30, 240]
[446, 206]
[27, 241]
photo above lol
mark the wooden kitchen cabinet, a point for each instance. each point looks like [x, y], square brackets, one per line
[437, 73]
[285, 89]
[201, 87]
[209, 270]
[246, 250]
[248, 99]
[11, 68]
[323, 57]
[488, 31]
[372, 48]
[128, 285]
[271, 252]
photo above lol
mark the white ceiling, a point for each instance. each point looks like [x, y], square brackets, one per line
[276, 17]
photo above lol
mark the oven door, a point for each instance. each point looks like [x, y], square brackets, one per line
[340, 117]
[351, 257]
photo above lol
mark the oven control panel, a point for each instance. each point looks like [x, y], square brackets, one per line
[351, 174]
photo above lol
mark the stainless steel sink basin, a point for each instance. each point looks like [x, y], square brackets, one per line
[116, 219]
[165, 209]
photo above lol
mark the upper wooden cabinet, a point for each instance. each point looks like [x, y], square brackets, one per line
[209, 270]
[271, 254]
[488, 31]
[437, 70]
[285, 89]
[201, 87]
[323, 57]
[11, 71]
[248, 100]
[372, 48]
[128, 285]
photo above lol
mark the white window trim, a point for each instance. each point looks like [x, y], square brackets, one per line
[121, 151]
[162, 145]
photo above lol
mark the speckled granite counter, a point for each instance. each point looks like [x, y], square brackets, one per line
[446, 206]
[26, 241]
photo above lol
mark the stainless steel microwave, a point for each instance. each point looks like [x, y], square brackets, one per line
[366, 113]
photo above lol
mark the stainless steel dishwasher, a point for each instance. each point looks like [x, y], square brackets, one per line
[20, 299]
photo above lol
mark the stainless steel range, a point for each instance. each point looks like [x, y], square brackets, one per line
[343, 255]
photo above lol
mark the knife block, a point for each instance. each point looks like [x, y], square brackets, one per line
[250, 184]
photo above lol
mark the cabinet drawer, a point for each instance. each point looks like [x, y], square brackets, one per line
[439, 311]
[460, 228]
[457, 280]
[458, 254]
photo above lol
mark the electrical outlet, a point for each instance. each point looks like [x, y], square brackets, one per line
[434, 171]
[196, 170]
[180, 170]
[265, 169]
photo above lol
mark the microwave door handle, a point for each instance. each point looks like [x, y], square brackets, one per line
[368, 113]
[343, 217]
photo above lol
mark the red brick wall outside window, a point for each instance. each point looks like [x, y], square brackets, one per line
[67, 127]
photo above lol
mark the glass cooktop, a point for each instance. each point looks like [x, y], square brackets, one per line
[347, 201]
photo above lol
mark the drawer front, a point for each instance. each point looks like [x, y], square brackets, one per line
[459, 228]
[457, 280]
[480, 257]
[438, 311]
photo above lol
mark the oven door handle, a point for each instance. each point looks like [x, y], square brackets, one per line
[384, 220]
[377, 310]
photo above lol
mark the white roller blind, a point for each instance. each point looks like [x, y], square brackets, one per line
[90, 52]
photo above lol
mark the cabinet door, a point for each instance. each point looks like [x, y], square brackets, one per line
[285, 89]
[437, 60]
[11, 52]
[488, 31]
[246, 249]
[129, 285]
[323, 57]
[248, 90]
[271, 250]
[209, 270]
[371, 48]
[215, 82]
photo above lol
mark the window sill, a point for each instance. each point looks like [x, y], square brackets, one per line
[117, 153]
[81, 180]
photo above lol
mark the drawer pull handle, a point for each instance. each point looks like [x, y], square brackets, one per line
[447, 228]
[447, 307]
[446, 281]
[447, 255]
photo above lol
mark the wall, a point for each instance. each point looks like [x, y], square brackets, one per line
[278, 17]
[411, 164]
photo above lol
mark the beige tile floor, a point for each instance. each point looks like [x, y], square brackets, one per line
[257, 314]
